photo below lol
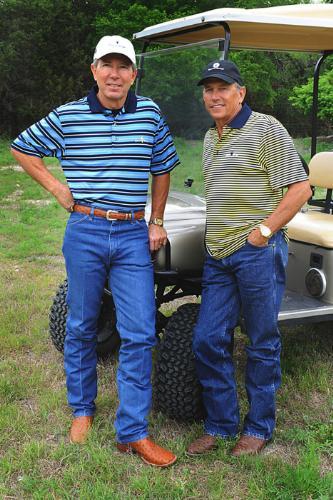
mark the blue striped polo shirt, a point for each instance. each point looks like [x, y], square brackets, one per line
[106, 158]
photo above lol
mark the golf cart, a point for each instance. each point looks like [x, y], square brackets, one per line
[178, 267]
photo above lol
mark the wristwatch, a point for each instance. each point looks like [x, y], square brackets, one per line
[156, 221]
[265, 231]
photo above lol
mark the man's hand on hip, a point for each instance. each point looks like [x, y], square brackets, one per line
[256, 239]
[64, 196]
[157, 237]
[36, 168]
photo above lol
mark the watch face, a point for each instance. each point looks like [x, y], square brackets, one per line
[265, 231]
[157, 221]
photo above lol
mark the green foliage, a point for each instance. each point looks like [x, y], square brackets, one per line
[45, 51]
[171, 79]
[46, 48]
[259, 73]
[301, 98]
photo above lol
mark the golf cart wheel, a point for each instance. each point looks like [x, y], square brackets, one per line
[108, 340]
[177, 392]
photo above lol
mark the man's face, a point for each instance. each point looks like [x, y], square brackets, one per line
[222, 100]
[114, 75]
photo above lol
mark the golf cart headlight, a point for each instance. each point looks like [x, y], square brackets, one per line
[315, 282]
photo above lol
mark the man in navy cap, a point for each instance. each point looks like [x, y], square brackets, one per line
[254, 184]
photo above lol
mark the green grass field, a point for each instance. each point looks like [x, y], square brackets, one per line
[36, 460]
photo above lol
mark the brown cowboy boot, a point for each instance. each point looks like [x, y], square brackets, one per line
[201, 445]
[80, 429]
[149, 452]
[248, 445]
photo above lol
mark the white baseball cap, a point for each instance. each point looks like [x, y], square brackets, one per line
[115, 45]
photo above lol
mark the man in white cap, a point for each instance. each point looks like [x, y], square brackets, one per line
[107, 144]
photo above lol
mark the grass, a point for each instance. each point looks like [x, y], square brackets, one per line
[36, 460]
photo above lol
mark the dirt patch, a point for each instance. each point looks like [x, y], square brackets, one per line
[38, 203]
[29, 406]
[326, 465]
[16, 168]
[317, 400]
[14, 195]
[286, 452]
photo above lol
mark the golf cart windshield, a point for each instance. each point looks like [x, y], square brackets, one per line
[172, 82]
[175, 52]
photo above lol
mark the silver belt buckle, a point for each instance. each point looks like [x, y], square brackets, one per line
[108, 216]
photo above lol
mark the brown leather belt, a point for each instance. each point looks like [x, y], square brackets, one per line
[109, 214]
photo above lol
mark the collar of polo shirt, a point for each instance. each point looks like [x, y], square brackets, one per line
[241, 118]
[96, 106]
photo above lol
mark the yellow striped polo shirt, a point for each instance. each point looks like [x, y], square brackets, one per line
[245, 172]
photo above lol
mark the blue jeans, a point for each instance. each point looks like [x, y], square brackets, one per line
[249, 282]
[97, 250]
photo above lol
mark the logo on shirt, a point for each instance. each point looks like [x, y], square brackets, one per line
[231, 154]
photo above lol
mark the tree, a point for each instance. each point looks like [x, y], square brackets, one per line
[45, 53]
[46, 48]
[171, 80]
[301, 98]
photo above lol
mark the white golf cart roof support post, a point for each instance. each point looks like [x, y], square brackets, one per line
[227, 39]
[314, 111]
[140, 74]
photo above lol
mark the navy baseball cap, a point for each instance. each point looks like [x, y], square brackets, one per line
[224, 70]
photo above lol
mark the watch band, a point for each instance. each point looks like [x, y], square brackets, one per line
[156, 221]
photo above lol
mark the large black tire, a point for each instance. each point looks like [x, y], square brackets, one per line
[108, 340]
[177, 392]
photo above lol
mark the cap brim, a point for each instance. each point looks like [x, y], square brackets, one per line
[224, 78]
[102, 54]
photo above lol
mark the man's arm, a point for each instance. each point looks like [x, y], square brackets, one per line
[295, 197]
[159, 194]
[36, 168]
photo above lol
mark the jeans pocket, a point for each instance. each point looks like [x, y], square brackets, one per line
[256, 246]
[141, 223]
[76, 218]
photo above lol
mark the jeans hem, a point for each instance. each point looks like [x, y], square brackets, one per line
[220, 434]
[83, 413]
[256, 435]
[132, 439]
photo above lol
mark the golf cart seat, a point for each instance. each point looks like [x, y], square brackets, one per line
[315, 225]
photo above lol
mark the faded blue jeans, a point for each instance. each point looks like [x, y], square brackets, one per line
[249, 282]
[97, 250]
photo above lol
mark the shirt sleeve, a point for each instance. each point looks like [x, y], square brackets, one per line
[279, 156]
[164, 154]
[43, 138]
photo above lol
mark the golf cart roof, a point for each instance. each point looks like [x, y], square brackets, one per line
[301, 27]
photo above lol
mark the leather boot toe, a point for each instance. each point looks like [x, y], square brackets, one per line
[80, 429]
[203, 444]
[150, 452]
[248, 445]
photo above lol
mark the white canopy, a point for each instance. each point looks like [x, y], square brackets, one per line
[301, 27]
